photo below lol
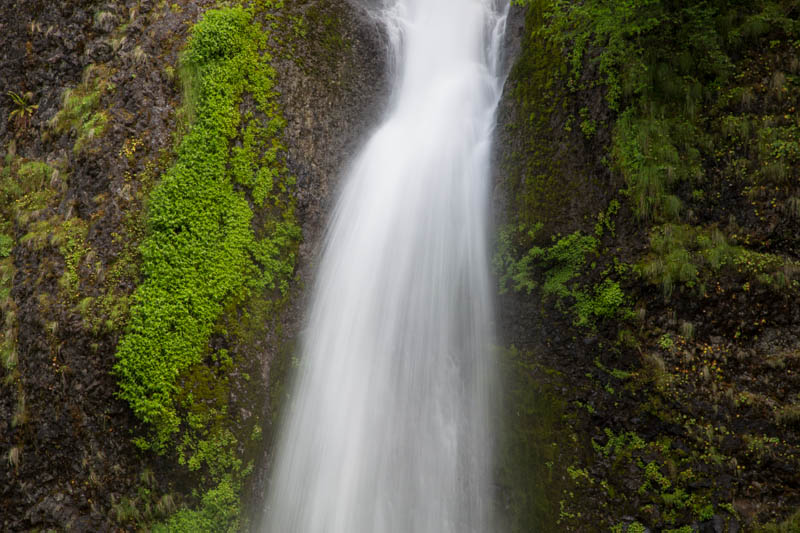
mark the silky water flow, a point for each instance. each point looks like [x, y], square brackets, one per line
[388, 427]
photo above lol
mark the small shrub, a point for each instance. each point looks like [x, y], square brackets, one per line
[657, 370]
[606, 302]
[23, 110]
[33, 176]
[6, 245]
[79, 113]
[218, 513]
[682, 255]
[126, 511]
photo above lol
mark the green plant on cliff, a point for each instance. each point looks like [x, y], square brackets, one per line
[23, 188]
[23, 110]
[204, 254]
[684, 256]
[559, 270]
[201, 252]
[80, 113]
[657, 87]
[6, 244]
[223, 63]
[33, 175]
[668, 72]
[661, 64]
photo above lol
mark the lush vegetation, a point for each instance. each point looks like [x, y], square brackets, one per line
[666, 238]
[80, 114]
[653, 235]
[204, 254]
[670, 72]
[559, 267]
[23, 110]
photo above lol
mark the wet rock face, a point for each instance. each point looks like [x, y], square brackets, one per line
[73, 455]
[333, 92]
[74, 460]
[42, 51]
[697, 390]
[333, 89]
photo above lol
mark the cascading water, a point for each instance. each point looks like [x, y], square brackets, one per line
[388, 430]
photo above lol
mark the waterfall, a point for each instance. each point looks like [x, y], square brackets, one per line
[388, 427]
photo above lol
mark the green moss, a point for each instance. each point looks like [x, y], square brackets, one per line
[667, 482]
[668, 70]
[620, 445]
[634, 527]
[80, 113]
[220, 238]
[605, 301]
[201, 253]
[6, 244]
[653, 155]
[700, 100]
[537, 185]
[218, 513]
[324, 27]
[73, 248]
[686, 256]
[542, 183]
[8, 334]
[532, 455]
[24, 189]
[33, 176]
[682, 529]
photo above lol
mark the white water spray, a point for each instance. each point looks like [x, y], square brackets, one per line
[388, 430]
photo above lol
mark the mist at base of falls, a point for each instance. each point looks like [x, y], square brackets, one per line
[388, 429]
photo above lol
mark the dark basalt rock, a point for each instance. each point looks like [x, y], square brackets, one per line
[76, 457]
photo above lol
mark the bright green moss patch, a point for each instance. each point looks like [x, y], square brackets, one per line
[218, 513]
[220, 235]
[202, 252]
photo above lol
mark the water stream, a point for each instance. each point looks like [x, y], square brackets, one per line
[388, 430]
